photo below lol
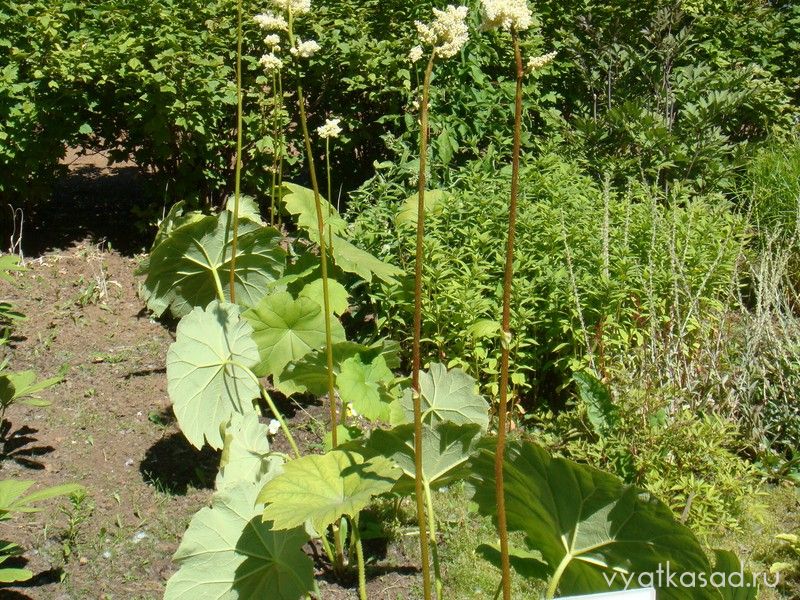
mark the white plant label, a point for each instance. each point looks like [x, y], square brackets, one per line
[642, 594]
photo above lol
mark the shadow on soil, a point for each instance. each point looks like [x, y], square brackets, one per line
[17, 445]
[39, 579]
[172, 465]
[100, 204]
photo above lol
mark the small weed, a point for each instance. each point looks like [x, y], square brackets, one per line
[78, 511]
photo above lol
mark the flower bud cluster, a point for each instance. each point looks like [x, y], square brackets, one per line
[506, 14]
[447, 33]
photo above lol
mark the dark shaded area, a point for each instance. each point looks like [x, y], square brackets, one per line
[47, 577]
[17, 445]
[173, 465]
[103, 205]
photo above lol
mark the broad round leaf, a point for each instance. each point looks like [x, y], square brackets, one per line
[310, 373]
[229, 553]
[364, 386]
[448, 396]
[245, 452]
[320, 489]
[286, 329]
[337, 292]
[185, 270]
[204, 384]
[445, 448]
[590, 517]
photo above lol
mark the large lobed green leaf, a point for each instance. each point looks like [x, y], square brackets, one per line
[448, 396]
[285, 329]
[320, 489]
[310, 373]
[589, 519]
[207, 377]
[299, 201]
[192, 263]
[246, 453]
[446, 448]
[364, 386]
[229, 553]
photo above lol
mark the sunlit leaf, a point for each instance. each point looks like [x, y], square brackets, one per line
[364, 386]
[590, 519]
[13, 496]
[206, 371]
[448, 396]
[191, 266]
[320, 489]
[229, 552]
[245, 453]
[285, 329]
[434, 202]
[352, 259]
[299, 201]
[310, 373]
[446, 448]
[337, 292]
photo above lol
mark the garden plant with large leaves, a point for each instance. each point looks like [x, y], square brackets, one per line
[585, 525]
[228, 551]
[208, 371]
[191, 264]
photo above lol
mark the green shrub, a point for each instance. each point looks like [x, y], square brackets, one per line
[653, 441]
[597, 273]
[771, 190]
[673, 91]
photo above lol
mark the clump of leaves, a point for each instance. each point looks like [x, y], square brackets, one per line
[13, 499]
[687, 460]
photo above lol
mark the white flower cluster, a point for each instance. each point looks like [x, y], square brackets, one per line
[296, 7]
[304, 49]
[271, 63]
[271, 22]
[273, 40]
[537, 62]
[415, 54]
[273, 427]
[447, 33]
[331, 129]
[506, 14]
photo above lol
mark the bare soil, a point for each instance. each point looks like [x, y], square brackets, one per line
[110, 426]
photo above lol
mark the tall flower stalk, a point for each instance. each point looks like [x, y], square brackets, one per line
[304, 50]
[238, 172]
[512, 16]
[447, 34]
[505, 326]
[415, 348]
